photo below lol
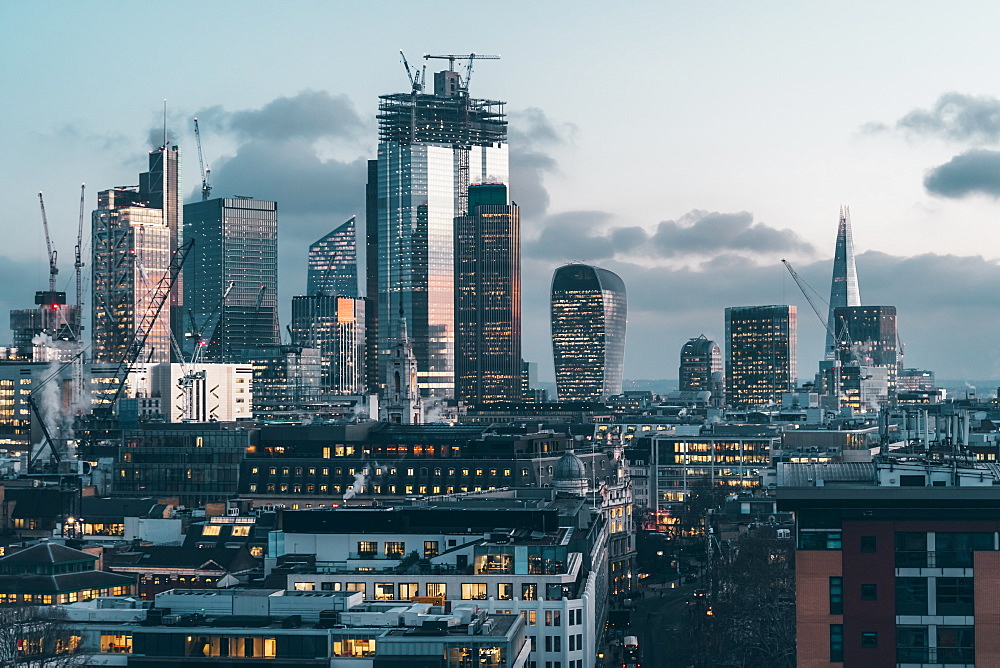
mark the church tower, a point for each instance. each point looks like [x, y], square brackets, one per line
[401, 403]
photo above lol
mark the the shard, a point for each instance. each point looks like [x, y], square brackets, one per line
[844, 290]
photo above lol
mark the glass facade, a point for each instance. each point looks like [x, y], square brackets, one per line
[760, 354]
[488, 299]
[236, 242]
[333, 263]
[844, 288]
[588, 309]
[701, 366]
[336, 327]
[431, 148]
[130, 255]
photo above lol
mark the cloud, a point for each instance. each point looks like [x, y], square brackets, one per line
[956, 117]
[973, 172]
[308, 115]
[589, 235]
[531, 138]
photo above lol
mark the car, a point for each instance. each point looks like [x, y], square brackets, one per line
[700, 593]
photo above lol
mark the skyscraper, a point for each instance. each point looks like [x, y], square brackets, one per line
[236, 242]
[134, 232]
[431, 147]
[844, 289]
[336, 327]
[701, 367]
[867, 336]
[588, 332]
[760, 354]
[131, 252]
[488, 298]
[333, 263]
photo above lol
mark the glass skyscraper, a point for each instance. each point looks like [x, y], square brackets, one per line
[760, 354]
[236, 241]
[336, 327]
[588, 332]
[333, 263]
[431, 148]
[488, 299]
[701, 367]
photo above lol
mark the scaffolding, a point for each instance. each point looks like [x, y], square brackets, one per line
[459, 121]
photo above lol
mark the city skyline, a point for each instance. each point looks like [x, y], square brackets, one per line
[569, 172]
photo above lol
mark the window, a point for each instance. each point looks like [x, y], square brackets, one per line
[367, 547]
[408, 591]
[385, 591]
[954, 596]
[868, 543]
[869, 592]
[911, 644]
[554, 591]
[474, 591]
[305, 586]
[911, 549]
[812, 539]
[954, 550]
[869, 640]
[430, 549]
[553, 618]
[394, 548]
[505, 591]
[357, 586]
[529, 591]
[956, 644]
[116, 643]
[241, 530]
[530, 617]
[836, 596]
[836, 643]
[437, 589]
[911, 596]
[210, 530]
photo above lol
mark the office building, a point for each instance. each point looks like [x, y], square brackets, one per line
[217, 392]
[333, 263]
[896, 561]
[236, 244]
[432, 146]
[701, 368]
[844, 288]
[867, 335]
[131, 246]
[488, 298]
[286, 380]
[760, 354]
[915, 380]
[52, 316]
[335, 326]
[588, 310]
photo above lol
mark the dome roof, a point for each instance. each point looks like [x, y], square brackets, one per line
[569, 467]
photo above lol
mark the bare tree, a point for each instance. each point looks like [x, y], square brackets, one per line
[37, 636]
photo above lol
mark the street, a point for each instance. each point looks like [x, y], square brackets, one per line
[657, 621]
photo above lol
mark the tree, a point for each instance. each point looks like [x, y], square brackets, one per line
[749, 620]
[37, 636]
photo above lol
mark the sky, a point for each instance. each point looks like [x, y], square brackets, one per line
[689, 147]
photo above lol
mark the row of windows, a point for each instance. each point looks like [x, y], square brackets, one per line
[954, 644]
[387, 591]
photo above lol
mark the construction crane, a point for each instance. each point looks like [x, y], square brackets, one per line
[417, 79]
[53, 269]
[206, 173]
[203, 335]
[160, 295]
[802, 288]
[78, 251]
[471, 57]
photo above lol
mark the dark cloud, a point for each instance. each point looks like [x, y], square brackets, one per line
[970, 173]
[309, 115]
[531, 136]
[946, 306]
[956, 117]
[589, 235]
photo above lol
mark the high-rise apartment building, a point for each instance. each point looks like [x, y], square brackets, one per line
[130, 243]
[432, 146]
[701, 367]
[844, 288]
[236, 242]
[588, 309]
[336, 327]
[760, 354]
[333, 263]
[488, 298]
